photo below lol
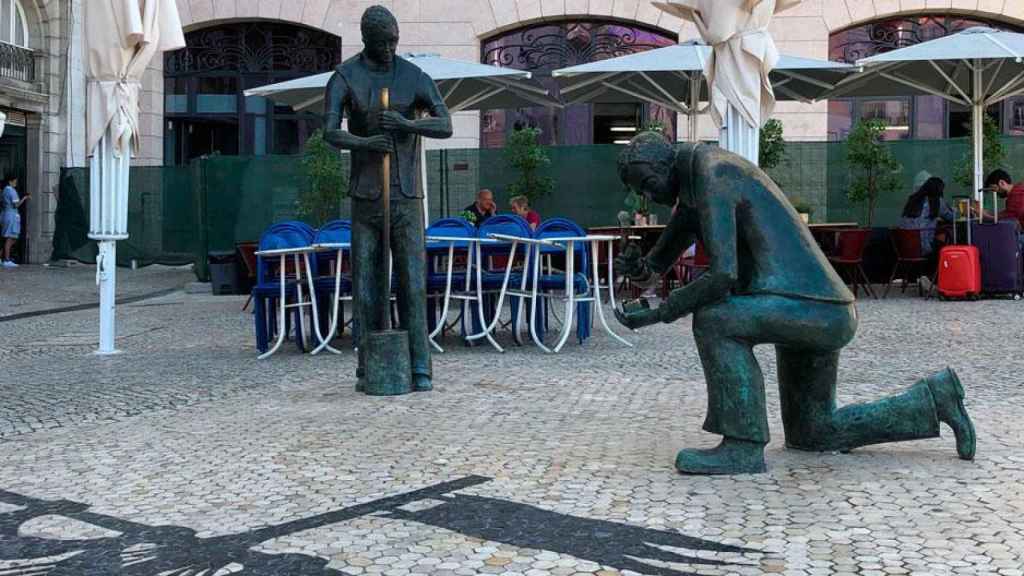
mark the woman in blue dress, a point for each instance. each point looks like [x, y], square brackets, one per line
[10, 220]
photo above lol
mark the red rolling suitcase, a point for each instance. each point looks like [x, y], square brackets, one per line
[960, 268]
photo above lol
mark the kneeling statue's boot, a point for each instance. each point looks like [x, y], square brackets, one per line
[421, 383]
[948, 394]
[730, 457]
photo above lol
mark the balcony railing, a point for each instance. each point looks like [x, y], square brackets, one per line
[17, 63]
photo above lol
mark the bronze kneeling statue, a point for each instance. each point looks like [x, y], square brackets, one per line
[768, 283]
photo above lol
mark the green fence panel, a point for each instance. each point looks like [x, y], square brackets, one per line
[160, 222]
[178, 214]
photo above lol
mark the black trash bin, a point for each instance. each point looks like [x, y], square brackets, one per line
[223, 272]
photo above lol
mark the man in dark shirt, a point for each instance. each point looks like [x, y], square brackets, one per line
[768, 283]
[354, 91]
[483, 208]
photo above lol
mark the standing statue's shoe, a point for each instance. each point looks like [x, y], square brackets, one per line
[421, 383]
[729, 457]
[361, 384]
[948, 394]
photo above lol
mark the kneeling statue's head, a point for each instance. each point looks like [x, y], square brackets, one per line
[646, 166]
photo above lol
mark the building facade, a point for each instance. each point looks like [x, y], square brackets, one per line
[192, 102]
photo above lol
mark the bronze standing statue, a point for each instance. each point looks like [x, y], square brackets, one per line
[768, 283]
[354, 92]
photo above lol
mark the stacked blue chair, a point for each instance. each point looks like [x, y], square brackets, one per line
[551, 281]
[441, 287]
[334, 232]
[493, 278]
[267, 289]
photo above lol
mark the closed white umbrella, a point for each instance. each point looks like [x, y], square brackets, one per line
[121, 38]
[976, 68]
[673, 77]
[743, 57]
[463, 85]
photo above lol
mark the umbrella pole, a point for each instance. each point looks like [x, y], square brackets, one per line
[106, 264]
[739, 137]
[694, 116]
[978, 129]
[108, 192]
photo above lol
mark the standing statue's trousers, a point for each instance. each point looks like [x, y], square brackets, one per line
[808, 336]
[370, 294]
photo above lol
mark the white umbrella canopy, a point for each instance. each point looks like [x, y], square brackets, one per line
[673, 77]
[121, 38]
[464, 86]
[743, 57]
[976, 68]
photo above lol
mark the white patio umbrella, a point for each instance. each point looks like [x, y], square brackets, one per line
[463, 85]
[673, 77]
[743, 56]
[121, 38]
[977, 68]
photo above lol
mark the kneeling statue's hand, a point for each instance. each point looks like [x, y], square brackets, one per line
[637, 314]
[632, 264]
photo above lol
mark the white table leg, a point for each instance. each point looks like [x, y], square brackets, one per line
[325, 342]
[447, 298]
[570, 294]
[597, 291]
[280, 315]
[486, 333]
[535, 267]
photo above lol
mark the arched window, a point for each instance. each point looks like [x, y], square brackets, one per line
[548, 46]
[204, 104]
[920, 117]
[13, 26]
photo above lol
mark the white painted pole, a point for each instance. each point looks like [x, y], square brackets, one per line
[978, 129]
[694, 117]
[739, 137]
[108, 223]
[106, 277]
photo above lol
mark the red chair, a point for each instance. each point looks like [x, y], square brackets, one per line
[849, 258]
[689, 268]
[910, 258]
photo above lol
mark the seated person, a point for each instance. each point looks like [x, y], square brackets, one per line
[768, 283]
[521, 206]
[483, 208]
[1001, 182]
[923, 211]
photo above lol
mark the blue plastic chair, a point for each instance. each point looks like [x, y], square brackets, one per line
[267, 289]
[550, 281]
[445, 284]
[332, 263]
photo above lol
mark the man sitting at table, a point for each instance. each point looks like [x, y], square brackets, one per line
[1001, 182]
[483, 208]
[767, 283]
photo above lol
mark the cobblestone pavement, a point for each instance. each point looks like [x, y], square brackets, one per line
[30, 289]
[185, 454]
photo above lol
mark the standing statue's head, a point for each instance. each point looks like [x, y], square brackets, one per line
[380, 35]
[646, 166]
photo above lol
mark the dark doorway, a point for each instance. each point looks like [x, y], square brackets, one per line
[13, 161]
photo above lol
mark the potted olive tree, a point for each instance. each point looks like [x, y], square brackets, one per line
[874, 170]
[326, 185]
[528, 158]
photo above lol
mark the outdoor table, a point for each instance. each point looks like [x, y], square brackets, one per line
[283, 254]
[468, 294]
[825, 234]
[568, 244]
[325, 341]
